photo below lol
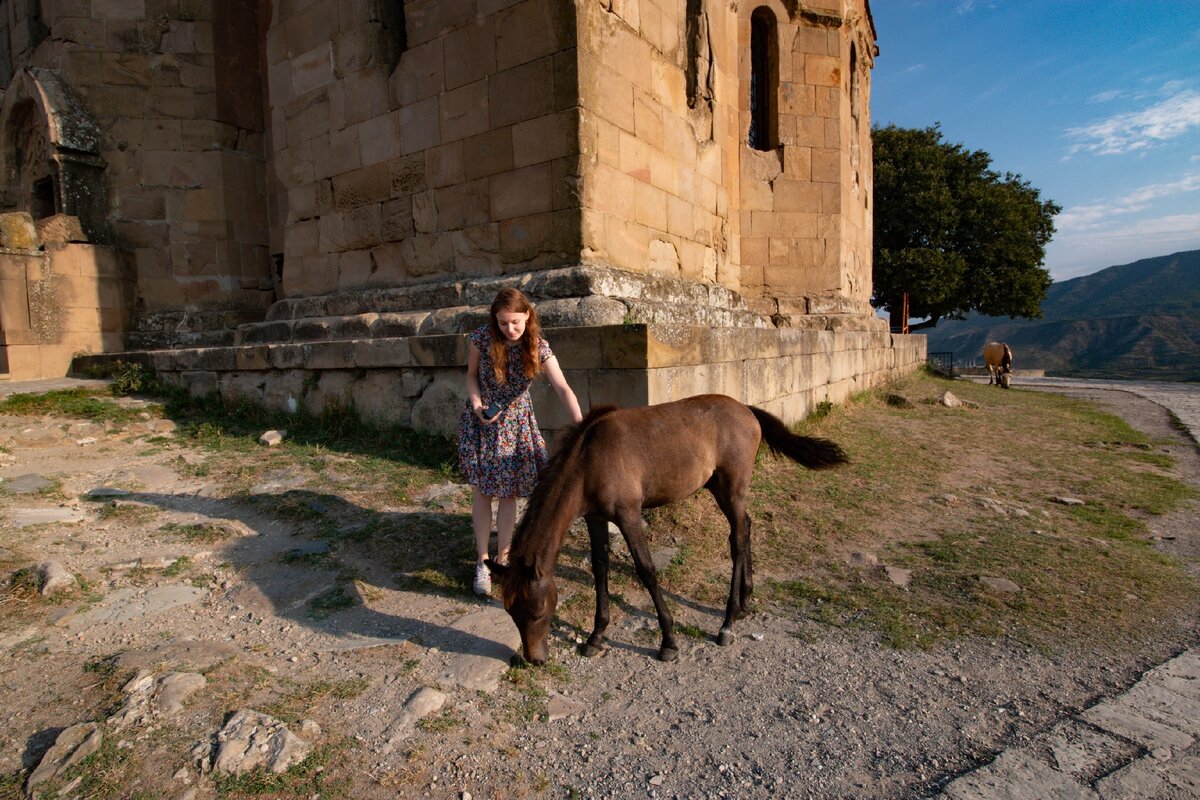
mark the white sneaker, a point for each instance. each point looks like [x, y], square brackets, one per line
[483, 580]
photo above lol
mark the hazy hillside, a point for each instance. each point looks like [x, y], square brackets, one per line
[1139, 320]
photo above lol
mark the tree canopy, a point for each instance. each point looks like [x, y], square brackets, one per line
[954, 234]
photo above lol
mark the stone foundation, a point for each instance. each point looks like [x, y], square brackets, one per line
[56, 303]
[418, 381]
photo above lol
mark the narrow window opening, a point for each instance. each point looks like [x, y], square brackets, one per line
[855, 104]
[42, 200]
[395, 29]
[763, 80]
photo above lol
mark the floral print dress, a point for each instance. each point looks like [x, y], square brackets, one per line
[502, 459]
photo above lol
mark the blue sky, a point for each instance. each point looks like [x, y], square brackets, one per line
[1096, 103]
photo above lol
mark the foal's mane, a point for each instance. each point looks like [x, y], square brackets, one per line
[533, 534]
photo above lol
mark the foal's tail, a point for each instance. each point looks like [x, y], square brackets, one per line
[812, 452]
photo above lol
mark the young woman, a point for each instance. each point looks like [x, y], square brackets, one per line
[500, 449]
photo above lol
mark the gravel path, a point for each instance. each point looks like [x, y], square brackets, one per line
[790, 709]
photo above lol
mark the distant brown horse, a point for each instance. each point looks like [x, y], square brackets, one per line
[998, 357]
[617, 462]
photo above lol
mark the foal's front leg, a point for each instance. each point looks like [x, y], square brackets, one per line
[631, 528]
[598, 535]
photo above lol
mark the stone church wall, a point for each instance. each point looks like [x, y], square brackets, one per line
[672, 185]
[445, 153]
[174, 93]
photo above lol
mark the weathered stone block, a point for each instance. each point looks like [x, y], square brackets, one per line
[288, 356]
[521, 93]
[18, 232]
[382, 352]
[329, 355]
[361, 187]
[521, 192]
[381, 397]
[404, 323]
[60, 229]
[251, 357]
[448, 350]
[200, 384]
[276, 331]
[464, 112]
[433, 410]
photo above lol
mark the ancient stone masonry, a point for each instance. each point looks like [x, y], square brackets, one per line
[295, 175]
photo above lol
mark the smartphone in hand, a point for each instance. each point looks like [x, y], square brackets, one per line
[493, 410]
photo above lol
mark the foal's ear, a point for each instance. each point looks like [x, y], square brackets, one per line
[497, 570]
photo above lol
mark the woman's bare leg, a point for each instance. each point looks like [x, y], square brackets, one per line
[481, 523]
[506, 521]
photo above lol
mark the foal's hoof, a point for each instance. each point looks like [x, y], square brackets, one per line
[589, 650]
[667, 654]
[725, 637]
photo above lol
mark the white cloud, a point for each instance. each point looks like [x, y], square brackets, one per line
[1097, 215]
[1080, 252]
[1106, 97]
[1137, 130]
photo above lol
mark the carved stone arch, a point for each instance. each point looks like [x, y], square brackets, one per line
[50, 152]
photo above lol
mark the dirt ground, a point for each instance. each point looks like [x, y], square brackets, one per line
[780, 712]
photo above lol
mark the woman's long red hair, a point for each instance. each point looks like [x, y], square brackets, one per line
[514, 300]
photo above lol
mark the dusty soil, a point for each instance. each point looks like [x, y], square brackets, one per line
[789, 709]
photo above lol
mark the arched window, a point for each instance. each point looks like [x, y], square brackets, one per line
[764, 78]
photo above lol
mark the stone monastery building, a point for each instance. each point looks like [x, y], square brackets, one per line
[304, 202]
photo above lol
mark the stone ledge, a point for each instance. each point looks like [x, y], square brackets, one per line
[621, 347]
[567, 297]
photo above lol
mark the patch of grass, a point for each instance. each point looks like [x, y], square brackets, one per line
[104, 667]
[310, 778]
[1076, 567]
[394, 458]
[692, 631]
[78, 403]
[178, 567]
[442, 723]
[437, 580]
[12, 785]
[198, 532]
[299, 700]
[127, 512]
[104, 775]
[298, 557]
[25, 582]
[530, 695]
[335, 600]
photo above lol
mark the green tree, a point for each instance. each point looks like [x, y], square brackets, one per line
[954, 234]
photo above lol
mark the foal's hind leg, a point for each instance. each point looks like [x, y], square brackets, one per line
[732, 502]
[598, 534]
[630, 523]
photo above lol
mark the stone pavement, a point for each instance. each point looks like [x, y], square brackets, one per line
[1145, 742]
[8, 388]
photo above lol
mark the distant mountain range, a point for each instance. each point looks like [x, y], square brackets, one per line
[1139, 320]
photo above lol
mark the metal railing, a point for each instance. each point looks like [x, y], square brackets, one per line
[941, 363]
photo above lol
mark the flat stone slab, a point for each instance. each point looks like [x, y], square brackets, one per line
[497, 642]
[197, 654]
[279, 481]
[1016, 774]
[353, 642]
[24, 517]
[1125, 721]
[128, 604]
[27, 484]
[39, 437]
[420, 704]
